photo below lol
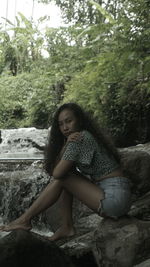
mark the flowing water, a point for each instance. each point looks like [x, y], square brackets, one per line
[21, 174]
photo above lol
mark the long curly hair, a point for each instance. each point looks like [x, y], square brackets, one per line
[56, 139]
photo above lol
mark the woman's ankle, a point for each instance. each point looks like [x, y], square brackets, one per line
[23, 220]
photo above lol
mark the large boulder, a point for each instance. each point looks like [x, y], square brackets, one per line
[106, 242]
[22, 248]
[123, 243]
[144, 264]
[136, 166]
[117, 243]
[98, 242]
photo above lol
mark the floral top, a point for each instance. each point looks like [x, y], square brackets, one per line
[90, 157]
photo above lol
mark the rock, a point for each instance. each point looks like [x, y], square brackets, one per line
[140, 147]
[122, 243]
[141, 207]
[98, 242]
[136, 166]
[143, 264]
[22, 248]
[117, 243]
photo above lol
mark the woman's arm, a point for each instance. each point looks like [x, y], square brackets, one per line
[64, 166]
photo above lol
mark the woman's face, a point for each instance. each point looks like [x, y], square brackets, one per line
[68, 123]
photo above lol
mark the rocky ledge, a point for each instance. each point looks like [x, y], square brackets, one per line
[98, 242]
[122, 243]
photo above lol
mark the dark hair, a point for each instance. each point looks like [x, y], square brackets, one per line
[56, 139]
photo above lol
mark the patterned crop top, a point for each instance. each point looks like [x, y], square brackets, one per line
[90, 157]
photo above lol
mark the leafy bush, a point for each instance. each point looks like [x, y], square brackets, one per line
[28, 99]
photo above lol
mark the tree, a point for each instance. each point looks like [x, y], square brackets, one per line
[77, 12]
[114, 85]
[102, 63]
[23, 47]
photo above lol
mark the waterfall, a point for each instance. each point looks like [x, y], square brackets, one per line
[22, 176]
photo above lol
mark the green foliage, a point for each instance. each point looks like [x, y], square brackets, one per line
[101, 61]
[23, 48]
[64, 47]
[78, 11]
[103, 11]
[11, 108]
[114, 84]
[27, 99]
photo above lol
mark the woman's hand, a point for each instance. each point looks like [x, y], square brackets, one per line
[64, 166]
[77, 136]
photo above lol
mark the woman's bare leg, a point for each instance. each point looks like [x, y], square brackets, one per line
[66, 208]
[87, 192]
[66, 229]
[77, 185]
[46, 199]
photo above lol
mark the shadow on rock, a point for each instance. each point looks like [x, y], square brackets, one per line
[21, 249]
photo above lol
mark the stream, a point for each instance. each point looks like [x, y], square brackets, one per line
[21, 174]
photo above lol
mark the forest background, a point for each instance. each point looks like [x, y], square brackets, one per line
[101, 60]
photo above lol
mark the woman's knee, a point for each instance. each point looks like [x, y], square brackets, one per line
[71, 180]
[66, 180]
[55, 182]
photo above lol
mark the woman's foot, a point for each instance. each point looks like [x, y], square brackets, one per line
[16, 225]
[62, 232]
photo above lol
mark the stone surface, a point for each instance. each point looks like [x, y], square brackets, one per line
[98, 242]
[22, 249]
[141, 207]
[144, 264]
[136, 166]
[140, 147]
[123, 243]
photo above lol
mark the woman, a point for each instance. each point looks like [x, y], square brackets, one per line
[84, 164]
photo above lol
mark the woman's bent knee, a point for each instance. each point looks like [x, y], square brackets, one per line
[55, 181]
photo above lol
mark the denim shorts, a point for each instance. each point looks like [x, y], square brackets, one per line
[117, 201]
